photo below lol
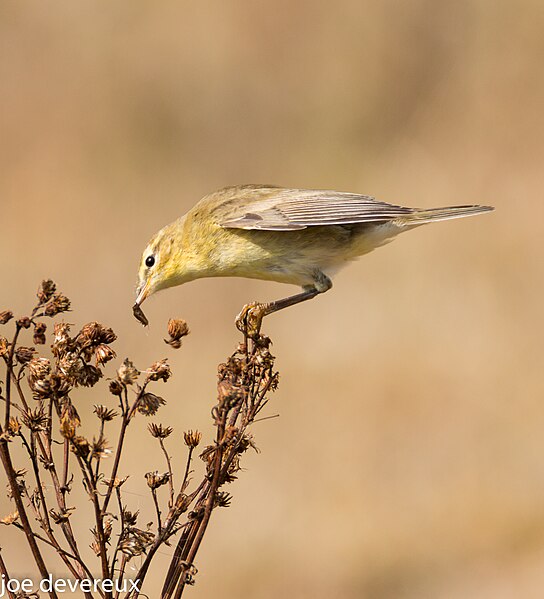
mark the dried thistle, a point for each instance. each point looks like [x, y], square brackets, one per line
[160, 370]
[80, 446]
[4, 347]
[177, 329]
[100, 449]
[39, 333]
[93, 333]
[57, 304]
[62, 342]
[149, 403]
[156, 480]
[105, 414]
[36, 420]
[192, 438]
[45, 291]
[158, 431]
[10, 518]
[127, 373]
[24, 322]
[69, 421]
[104, 354]
[5, 316]
[116, 387]
[24, 354]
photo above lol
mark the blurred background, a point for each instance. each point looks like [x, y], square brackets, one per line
[408, 459]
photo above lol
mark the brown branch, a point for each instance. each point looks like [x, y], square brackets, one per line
[8, 467]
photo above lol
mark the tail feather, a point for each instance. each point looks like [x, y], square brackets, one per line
[431, 215]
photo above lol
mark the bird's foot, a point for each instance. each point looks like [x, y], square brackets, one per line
[250, 319]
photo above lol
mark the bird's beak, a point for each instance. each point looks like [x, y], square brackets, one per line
[143, 292]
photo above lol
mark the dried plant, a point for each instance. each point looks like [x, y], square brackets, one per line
[39, 394]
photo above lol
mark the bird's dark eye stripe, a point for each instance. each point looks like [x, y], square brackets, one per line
[149, 261]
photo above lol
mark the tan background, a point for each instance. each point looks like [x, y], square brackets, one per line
[408, 461]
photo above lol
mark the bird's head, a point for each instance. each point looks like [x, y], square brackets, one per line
[161, 265]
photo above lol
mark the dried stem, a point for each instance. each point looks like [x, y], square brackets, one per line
[46, 389]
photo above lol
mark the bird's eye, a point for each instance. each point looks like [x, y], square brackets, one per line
[149, 261]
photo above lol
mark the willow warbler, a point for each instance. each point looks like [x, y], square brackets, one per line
[297, 236]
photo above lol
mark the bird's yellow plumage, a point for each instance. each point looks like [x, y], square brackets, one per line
[292, 236]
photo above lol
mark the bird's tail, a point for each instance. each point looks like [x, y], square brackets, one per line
[430, 215]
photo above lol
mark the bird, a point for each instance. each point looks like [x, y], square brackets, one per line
[297, 236]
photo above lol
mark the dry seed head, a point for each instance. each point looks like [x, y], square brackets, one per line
[192, 438]
[10, 518]
[89, 376]
[69, 421]
[129, 517]
[58, 303]
[4, 347]
[39, 333]
[62, 341]
[177, 329]
[62, 516]
[95, 334]
[105, 414]
[127, 373]
[100, 448]
[222, 499]
[24, 322]
[80, 446]
[39, 368]
[36, 420]
[136, 542]
[14, 426]
[24, 354]
[46, 290]
[156, 480]
[159, 431]
[148, 403]
[117, 482]
[5, 316]
[104, 354]
[159, 371]
[116, 388]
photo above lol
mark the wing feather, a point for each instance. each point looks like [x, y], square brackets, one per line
[291, 209]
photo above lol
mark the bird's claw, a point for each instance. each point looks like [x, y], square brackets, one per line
[250, 319]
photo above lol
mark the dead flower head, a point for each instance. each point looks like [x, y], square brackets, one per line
[100, 449]
[192, 438]
[5, 316]
[10, 518]
[127, 373]
[93, 333]
[148, 403]
[24, 354]
[80, 446]
[105, 414]
[45, 291]
[57, 304]
[159, 431]
[156, 480]
[159, 371]
[69, 421]
[62, 342]
[177, 329]
[103, 354]
[24, 322]
[39, 333]
[36, 420]
[136, 542]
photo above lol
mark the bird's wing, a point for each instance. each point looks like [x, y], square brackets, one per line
[280, 209]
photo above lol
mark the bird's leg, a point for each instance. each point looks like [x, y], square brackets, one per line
[250, 318]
